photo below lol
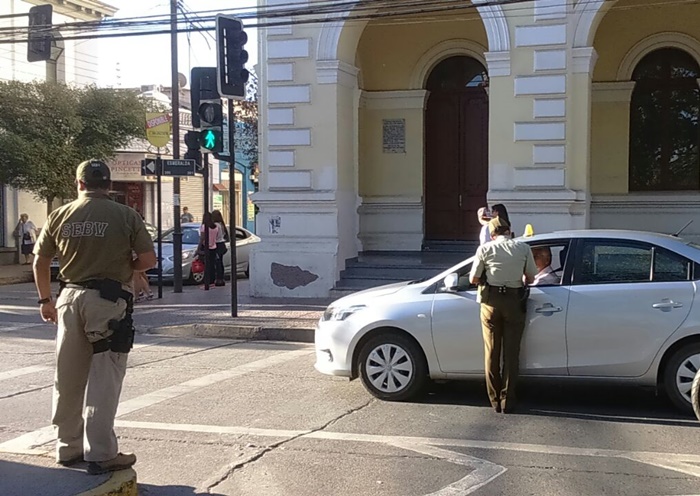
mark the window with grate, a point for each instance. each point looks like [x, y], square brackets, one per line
[664, 130]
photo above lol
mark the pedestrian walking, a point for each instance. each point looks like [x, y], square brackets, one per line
[94, 238]
[26, 233]
[222, 237]
[499, 269]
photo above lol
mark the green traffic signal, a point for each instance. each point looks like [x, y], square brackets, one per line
[211, 140]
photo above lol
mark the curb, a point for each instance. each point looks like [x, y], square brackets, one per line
[223, 331]
[122, 483]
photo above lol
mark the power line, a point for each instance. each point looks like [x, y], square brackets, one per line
[351, 15]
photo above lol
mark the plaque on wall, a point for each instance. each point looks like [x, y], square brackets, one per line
[394, 135]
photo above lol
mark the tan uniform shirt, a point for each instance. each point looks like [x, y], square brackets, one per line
[505, 261]
[93, 237]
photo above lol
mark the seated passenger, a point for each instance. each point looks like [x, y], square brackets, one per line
[543, 260]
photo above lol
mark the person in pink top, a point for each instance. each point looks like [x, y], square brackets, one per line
[210, 262]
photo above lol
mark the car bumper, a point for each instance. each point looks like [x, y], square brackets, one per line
[333, 354]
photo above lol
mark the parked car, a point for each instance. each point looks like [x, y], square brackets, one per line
[152, 231]
[624, 311]
[245, 241]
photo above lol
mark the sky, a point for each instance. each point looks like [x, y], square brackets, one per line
[135, 61]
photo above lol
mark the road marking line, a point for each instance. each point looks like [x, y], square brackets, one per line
[679, 462]
[29, 442]
[11, 374]
[171, 392]
[483, 470]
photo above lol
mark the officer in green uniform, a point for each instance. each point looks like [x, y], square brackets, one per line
[95, 239]
[499, 269]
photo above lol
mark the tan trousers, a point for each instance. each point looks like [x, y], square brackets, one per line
[86, 386]
[502, 323]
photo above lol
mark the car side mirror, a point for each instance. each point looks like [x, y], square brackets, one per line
[451, 281]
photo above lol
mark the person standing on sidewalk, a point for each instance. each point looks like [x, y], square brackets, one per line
[94, 238]
[499, 269]
[208, 246]
[25, 232]
[222, 237]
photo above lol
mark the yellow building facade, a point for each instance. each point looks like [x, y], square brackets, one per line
[387, 131]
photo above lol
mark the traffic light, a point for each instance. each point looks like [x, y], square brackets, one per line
[193, 152]
[211, 119]
[207, 113]
[40, 36]
[231, 57]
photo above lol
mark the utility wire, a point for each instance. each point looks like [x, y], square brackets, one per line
[408, 8]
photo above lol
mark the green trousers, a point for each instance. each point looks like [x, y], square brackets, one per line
[502, 323]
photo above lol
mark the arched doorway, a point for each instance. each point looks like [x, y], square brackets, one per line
[456, 147]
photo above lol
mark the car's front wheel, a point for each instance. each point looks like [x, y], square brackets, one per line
[680, 372]
[393, 367]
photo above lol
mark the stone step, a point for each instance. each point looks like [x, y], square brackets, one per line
[383, 272]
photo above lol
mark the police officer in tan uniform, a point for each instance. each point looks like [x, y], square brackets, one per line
[94, 238]
[500, 268]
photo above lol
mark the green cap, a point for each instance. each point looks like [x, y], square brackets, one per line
[93, 170]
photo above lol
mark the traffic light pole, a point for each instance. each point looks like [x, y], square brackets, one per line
[175, 99]
[232, 206]
[207, 259]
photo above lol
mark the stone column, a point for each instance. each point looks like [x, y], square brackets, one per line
[308, 183]
[540, 122]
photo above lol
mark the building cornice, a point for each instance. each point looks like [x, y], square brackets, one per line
[84, 10]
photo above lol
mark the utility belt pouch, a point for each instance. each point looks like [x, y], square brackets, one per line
[524, 294]
[484, 292]
[110, 290]
[122, 338]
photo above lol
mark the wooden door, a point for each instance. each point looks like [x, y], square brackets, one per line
[456, 134]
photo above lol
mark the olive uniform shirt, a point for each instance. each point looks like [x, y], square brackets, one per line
[94, 237]
[505, 260]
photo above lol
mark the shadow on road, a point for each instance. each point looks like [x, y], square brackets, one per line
[586, 401]
[151, 490]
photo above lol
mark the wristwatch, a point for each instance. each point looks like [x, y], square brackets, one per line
[44, 300]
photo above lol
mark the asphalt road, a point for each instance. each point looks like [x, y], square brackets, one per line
[226, 417]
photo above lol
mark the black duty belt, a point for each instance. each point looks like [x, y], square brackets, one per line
[507, 290]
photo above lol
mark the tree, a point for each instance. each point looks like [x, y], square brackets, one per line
[47, 128]
[247, 115]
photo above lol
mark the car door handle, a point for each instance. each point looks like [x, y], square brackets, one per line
[548, 308]
[667, 304]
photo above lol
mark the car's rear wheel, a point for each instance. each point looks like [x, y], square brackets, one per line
[695, 395]
[392, 367]
[680, 372]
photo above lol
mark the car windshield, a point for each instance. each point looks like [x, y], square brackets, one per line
[190, 236]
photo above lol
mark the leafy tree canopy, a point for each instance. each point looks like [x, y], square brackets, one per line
[47, 129]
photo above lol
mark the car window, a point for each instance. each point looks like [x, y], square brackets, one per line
[550, 259]
[463, 283]
[190, 236]
[669, 266]
[240, 234]
[605, 262]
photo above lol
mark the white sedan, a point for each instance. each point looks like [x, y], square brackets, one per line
[245, 241]
[622, 310]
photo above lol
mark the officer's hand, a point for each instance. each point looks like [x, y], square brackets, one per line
[48, 312]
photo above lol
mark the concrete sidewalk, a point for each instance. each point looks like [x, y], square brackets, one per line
[14, 274]
[196, 312]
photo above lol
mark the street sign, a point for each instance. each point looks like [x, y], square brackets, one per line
[183, 167]
[148, 167]
[159, 127]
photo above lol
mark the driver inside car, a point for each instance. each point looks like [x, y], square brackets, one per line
[543, 260]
